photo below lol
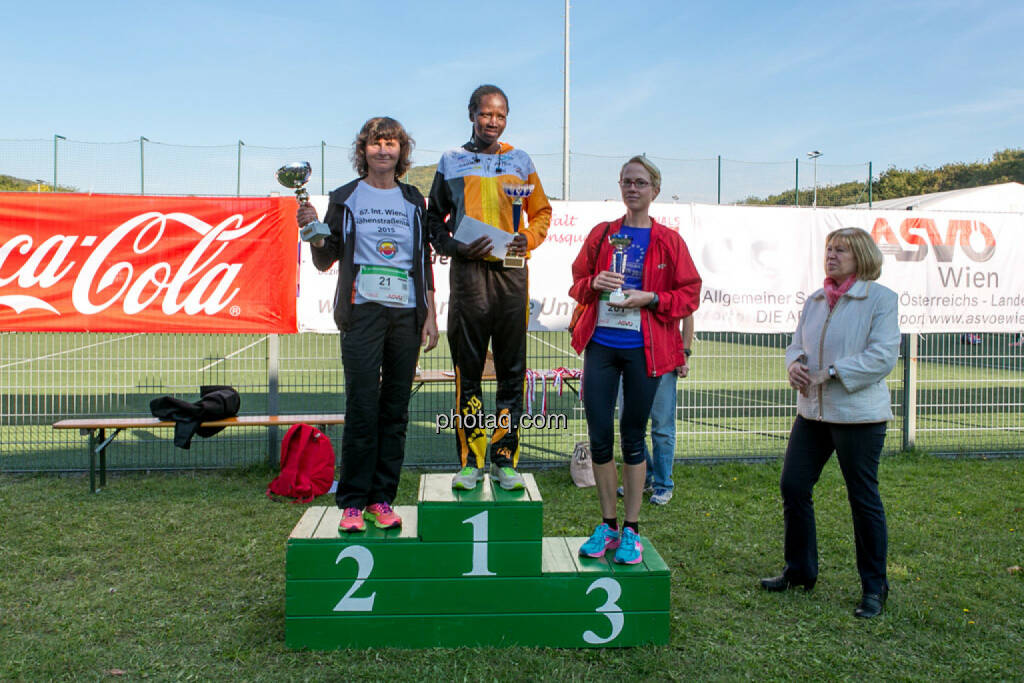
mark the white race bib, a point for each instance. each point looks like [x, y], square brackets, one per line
[617, 317]
[383, 284]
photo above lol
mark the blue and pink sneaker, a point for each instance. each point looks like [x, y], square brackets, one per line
[603, 539]
[630, 551]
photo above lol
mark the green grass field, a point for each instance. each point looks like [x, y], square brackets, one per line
[181, 576]
[736, 402]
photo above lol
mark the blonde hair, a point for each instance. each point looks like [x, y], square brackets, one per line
[865, 251]
[647, 164]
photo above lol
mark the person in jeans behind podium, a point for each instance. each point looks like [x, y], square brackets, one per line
[846, 343]
[663, 427]
[635, 342]
[384, 308]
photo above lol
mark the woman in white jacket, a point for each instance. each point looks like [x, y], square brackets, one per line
[846, 343]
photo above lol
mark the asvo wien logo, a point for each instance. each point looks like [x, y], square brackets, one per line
[918, 236]
[973, 238]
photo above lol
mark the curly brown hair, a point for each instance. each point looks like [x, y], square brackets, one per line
[382, 128]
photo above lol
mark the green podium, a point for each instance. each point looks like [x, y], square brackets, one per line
[467, 568]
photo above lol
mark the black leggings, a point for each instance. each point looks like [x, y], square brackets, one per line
[603, 366]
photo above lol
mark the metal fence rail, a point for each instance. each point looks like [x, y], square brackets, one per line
[144, 166]
[958, 393]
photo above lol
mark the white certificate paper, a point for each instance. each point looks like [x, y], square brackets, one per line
[470, 229]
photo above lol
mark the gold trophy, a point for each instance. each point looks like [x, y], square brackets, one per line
[516, 192]
[620, 243]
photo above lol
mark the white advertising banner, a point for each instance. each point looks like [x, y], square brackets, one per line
[953, 271]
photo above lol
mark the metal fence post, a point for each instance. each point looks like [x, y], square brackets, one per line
[796, 181]
[323, 166]
[273, 369]
[238, 185]
[719, 178]
[870, 181]
[142, 163]
[909, 390]
[55, 138]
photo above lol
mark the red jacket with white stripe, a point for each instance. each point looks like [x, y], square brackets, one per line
[668, 271]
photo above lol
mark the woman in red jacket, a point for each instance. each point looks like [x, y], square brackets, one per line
[636, 340]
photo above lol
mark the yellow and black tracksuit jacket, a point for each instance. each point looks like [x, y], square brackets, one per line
[488, 303]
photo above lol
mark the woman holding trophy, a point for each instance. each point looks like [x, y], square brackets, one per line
[634, 281]
[384, 308]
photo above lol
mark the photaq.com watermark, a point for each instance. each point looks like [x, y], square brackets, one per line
[453, 420]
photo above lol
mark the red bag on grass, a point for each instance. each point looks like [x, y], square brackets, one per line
[307, 465]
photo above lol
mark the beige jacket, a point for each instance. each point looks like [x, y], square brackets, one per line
[860, 337]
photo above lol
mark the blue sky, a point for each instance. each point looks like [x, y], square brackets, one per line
[895, 83]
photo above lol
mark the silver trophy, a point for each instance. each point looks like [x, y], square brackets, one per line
[620, 243]
[295, 176]
[517, 192]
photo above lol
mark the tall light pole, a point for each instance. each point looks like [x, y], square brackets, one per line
[814, 157]
[565, 110]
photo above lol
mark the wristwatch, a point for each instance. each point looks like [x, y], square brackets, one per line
[831, 372]
[688, 352]
[653, 305]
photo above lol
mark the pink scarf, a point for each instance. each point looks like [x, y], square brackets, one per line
[834, 291]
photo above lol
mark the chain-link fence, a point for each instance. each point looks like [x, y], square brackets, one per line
[143, 166]
[960, 393]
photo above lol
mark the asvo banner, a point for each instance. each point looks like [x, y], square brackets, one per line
[953, 271]
[112, 263]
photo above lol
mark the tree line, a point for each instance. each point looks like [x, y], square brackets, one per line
[1005, 166]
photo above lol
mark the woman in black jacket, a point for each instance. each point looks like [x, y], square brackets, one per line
[384, 308]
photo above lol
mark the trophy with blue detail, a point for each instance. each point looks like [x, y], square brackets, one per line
[620, 243]
[517, 192]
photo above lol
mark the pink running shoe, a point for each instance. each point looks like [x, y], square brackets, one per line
[383, 516]
[351, 521]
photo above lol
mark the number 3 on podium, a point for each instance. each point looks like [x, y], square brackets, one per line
[612, 591]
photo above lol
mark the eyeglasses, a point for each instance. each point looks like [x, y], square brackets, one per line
[638, 184]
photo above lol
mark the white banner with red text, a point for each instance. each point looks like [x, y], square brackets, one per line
[953, 271]
[120, 263]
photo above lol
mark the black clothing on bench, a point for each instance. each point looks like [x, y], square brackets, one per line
[216, 403]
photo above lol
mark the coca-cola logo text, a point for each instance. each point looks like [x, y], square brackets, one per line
[199, 284]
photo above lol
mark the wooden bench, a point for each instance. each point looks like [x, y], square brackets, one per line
[96, 429]
[439, 376]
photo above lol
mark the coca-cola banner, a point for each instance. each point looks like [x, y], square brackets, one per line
[112, 263]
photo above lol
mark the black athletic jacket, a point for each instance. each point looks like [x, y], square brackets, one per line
[338, 246]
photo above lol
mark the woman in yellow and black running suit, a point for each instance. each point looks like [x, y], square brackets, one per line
[488, 302]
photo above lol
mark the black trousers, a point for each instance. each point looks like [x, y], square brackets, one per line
[858, 447]
[488, 304]
[603, 366]
[379, 352]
